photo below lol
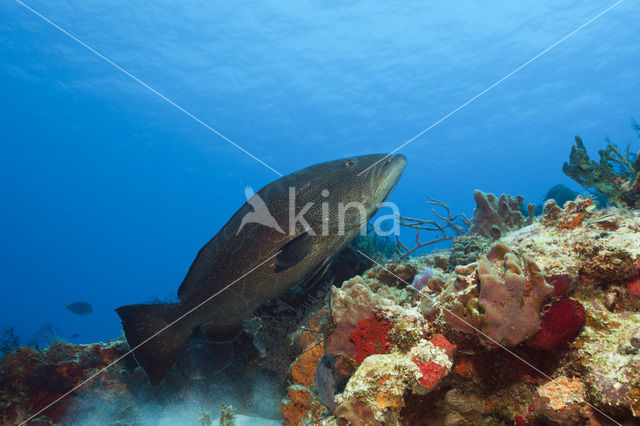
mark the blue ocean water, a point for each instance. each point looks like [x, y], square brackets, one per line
[108, 190]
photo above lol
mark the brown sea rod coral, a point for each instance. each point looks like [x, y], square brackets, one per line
[502, 297]
[616, 175]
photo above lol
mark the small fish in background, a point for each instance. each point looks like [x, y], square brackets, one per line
[74, 335]
[80, 308]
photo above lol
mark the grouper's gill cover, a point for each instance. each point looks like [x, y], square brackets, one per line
[263, 229]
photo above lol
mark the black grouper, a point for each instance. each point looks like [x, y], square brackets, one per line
[263, 250]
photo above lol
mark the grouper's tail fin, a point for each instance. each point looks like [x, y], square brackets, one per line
[155, 346]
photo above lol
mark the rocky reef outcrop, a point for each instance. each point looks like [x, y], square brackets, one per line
[541, 327]
[538, 329]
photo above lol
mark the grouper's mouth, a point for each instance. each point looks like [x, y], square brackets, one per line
[389, 173]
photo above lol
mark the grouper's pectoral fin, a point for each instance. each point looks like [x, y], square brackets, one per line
[294, 251]
[222, 331]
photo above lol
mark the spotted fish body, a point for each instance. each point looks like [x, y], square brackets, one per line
[252, 260]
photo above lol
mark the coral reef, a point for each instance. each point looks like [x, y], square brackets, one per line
[535, 292]
[382, 380]
[562, 401]
[492, 217]
[501, 299]
[297, 404]
[541, 327]
[32, 379]
[610, 370]
[560, 325]
[465, 249]
[119, 393]
[616, 175]
[495, 216]
[277, 324]
[370, 337]
[353, 302]
[308, 381]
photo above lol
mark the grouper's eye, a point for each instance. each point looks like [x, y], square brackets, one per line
[350, 163]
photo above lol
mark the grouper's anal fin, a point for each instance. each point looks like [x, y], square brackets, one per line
[294, 251]
[155, 346]
[222, 332]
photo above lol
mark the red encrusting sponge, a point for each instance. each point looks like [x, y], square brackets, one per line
[431, 373]
[560, 326]
[370, 337]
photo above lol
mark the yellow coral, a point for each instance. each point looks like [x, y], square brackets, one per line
[386, 400]
[391, 398]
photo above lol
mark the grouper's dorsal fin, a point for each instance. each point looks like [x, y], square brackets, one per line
[222, 332]
[294, 251]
